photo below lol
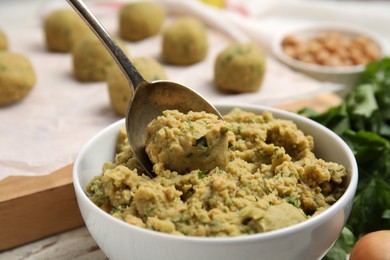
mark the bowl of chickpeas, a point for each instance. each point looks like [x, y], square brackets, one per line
[329, 52]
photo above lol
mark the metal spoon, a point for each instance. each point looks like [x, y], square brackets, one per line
[149, 99]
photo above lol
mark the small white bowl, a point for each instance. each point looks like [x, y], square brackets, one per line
[346, 76]
[307, 240]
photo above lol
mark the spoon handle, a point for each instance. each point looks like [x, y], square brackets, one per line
[119, 56]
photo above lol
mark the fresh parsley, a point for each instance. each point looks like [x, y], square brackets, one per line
[293, 201]
[363, 121]
[202, 174]
[202, 142]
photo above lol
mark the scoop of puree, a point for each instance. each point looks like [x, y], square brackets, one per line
[185, 142]
[245, 175]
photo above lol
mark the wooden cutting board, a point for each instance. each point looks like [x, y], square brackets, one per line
[35, 207]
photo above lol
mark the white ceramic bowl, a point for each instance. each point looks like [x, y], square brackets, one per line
[347, 76]
[307, 240]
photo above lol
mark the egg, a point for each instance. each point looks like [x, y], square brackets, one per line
[372, 246]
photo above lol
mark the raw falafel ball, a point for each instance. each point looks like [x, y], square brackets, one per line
[3, 41]
[119, 89]
[62, 28]
[185, 41]
[91, 60]
[17, 77]
[140, 20]
[240, 68]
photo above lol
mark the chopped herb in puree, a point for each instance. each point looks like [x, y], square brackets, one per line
[267, 177]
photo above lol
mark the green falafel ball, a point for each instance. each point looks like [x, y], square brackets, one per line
[91, 59]
[62, 28]
[240, 68]
[119, 89]
[17, 77]
[140, 20]
[185, 41]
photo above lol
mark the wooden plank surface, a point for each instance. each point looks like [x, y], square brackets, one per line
[29, 185]
[74, 244]
[35, 207]
[32, 208]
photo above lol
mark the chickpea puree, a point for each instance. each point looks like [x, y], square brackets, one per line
[261, 174]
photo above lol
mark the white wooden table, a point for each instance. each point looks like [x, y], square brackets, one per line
[74, 244]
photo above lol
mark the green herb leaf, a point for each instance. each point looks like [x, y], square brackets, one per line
[386, 214]
[228, 201]
[119, 209]
[293, 201]
[202, 174]
[201, 142]
[370, 207]
[149, 213]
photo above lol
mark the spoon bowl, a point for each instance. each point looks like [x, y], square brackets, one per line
[150, 99]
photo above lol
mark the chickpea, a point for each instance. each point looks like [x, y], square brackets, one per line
[362, 41]
[334, 35]
[343, 53]
[290, 40]
[372, 51]
[306, 57]
[321, 37]
[333, 60]
[290, 51]
[332, 45]
[322, 56]
[347, 62]
[301, 48]
[357, 55]
[314, 46]
[345, 42]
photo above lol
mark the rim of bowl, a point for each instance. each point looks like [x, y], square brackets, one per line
[321, 27]
[340, 203]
